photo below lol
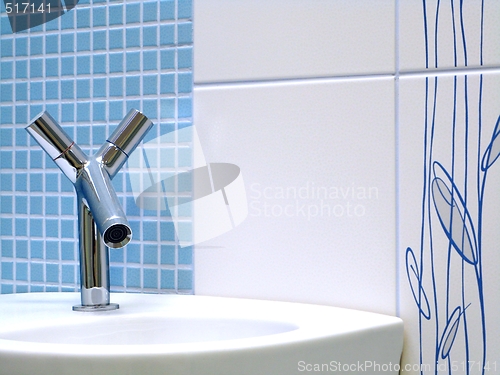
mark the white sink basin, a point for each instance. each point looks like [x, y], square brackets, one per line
[171, 334]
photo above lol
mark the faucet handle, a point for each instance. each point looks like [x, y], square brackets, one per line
[119, 145]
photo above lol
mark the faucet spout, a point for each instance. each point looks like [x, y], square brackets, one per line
[102, 222]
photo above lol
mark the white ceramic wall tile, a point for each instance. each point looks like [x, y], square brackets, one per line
[449, 34]
[241, 40]
[317, 161]
[449, 183]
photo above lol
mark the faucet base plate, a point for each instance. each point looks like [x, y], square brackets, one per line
[91, 308]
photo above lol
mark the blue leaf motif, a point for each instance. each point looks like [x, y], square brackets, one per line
[415, 282]
[453, 215]
[493, 150]
[450, 333]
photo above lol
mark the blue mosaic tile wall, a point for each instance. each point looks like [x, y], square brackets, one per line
[87, 68]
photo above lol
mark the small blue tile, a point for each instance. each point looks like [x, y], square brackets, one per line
[68, 273]
[7, 271]
[6, 159]
[6, 71]
[68, 20]
[98, 134]
[83, 18]
[36, 248]
[52, 67]
[167, 83]
[99, 40]
[32, 289]
[150, 108]
[167, 35]
[184, 8]
[21, 159]
[185, 279]
[167, 10]
[133, 85]
[185, 82]
[167, 59]
[116, 256]
[133, 61]
[149, 36]
[115, 110]
[116, 275]
[21, 227]
[99, 87]
[21, 205]
[115, 62]
[51, 228]
[36, 227]
[83, 112]
[83, 88]
[6, 181]
[68, 42]
[21, 91]
[133, 253]
[52, 43]
[99, 64]
[150, 278]
[22, 69]
[52, 182]
[149, 60]
[36, 273]
[167, 279]
[167, 254]
[36, 91]
[68, 250]
[167, 108]
[68, 112]
[52, 273]
[67, 228]
[6, 137]
[7, 248]
[133, 37]
[36, 205]
[51, 90]
[185, 107]
[115, 14]
[149, 85]
[185, 33]
[6, 227]
[21, 182]
[22, 271]
[99, 111]
[83, 41]
[36, 67]
[150, 254]
[67, 205]
[150, 11]
[167, 231]
[36, 45]
[6, 204]
[133, 12]
[52, 249]
[133, 277]
[83, 65]
[116, 86]
[6, 48]
[52, 204]
[21, 137]
[67, 65]
[21, 114]
[6, 91]
[21, 249]
[36, 160]
[99, 16]
[185, 57]
[115, 39]
[67, 89]
[36, 182]
[22, 47]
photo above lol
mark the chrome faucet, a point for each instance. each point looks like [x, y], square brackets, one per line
[101, 220]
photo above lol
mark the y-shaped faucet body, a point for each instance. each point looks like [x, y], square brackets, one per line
[101, 220]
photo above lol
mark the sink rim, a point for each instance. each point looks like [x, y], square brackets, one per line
[314, 322]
